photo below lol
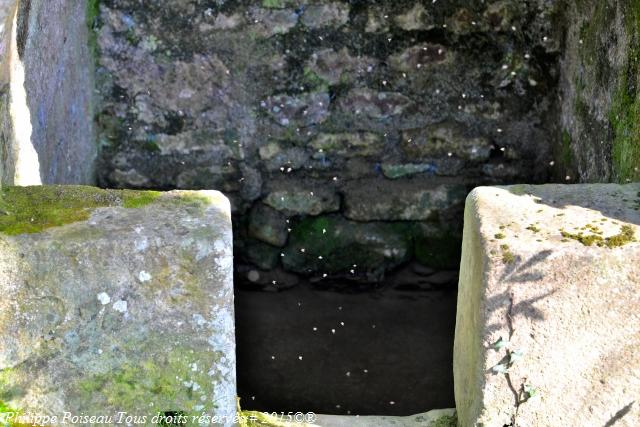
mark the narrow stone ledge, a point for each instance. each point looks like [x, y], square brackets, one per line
[116, 301]
[548, 330]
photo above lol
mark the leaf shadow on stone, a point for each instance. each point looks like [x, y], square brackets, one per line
[521, 271]
[618, 415]
[524, 308]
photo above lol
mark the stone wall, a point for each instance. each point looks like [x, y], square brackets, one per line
[7, 13]
[347, 134]
[46, 91]
[599, 88]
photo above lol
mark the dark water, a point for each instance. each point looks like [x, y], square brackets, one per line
[384, 351]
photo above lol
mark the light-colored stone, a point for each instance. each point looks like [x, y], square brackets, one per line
[268, 22]
[547, 330]
[322, 15]
[379, 105]
[295, 198]
[128, 306]
[416, 18]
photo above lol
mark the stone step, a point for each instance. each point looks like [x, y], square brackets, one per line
[115, 301]
[434, 418]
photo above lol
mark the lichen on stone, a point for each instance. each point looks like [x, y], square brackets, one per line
[626, 236]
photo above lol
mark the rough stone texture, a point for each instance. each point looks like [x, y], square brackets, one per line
[51, 72]
[7, 14]
[240, 95]
[403, 199]
[599, 87]
[547, 326]
[129, 309]
[60, 85]
[331, 244]
[435, 418]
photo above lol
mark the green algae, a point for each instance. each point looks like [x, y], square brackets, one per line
[533, 228]
[273, 4]
[625, 109]
[507, 256]
[36, 208]
[93, 15]
[626, 236]
[446, 421]
[175, 382]
[440, 252]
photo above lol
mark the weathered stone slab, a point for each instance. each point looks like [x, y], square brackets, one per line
[331, 244]
[116, 301]
[434, 418]
[402, 199]
[548, 330]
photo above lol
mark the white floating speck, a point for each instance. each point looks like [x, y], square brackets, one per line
[104, 298]
[143, 276]
[120, 306]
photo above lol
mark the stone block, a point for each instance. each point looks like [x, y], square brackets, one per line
[376, 105]
[424, 55]
[301, 198]
[401, 199]
[331, 244]
[547, 330]
[268, 225]
[116, 301]
[323, 15]
[349, 144]
[442, 140]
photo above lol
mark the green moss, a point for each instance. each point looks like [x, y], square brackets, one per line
[313, 80]
[446, 421]
[93, 15]
[626, 236]
[625, 108]
[332, 244]
[33, 209]
[499, 236]
[274, 4]
[565, 154]
[533, 228]
[439, 252]
[507, 256]
[138, 199]
[166, 380]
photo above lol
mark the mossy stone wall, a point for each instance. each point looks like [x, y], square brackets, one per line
[600, 92]
[369, 112]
